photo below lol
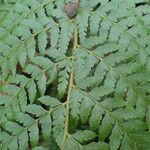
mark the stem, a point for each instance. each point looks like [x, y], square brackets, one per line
[75, 43]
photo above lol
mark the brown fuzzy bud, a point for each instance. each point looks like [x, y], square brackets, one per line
[71, 9]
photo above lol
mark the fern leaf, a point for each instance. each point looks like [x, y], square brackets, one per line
[95, 118]
[82, 21]
[42, 41]
[97, 146]
[34, 135]
[83, 136]
[115, 138]
[49, 101]
[46, 125]
[90, 42]
[23, 140]
[85, 62]
[35, 110]
[10, 126]
[94, 23]
[63, 78]
[74, 83]
[65, 36]
[22, 57]
[58, 123]
[85, 109]
[41, 83]
[25, 119]
[106, 49]
[125, 143]
[105, 128]
[32, 91]
[71, 144]
[13, 64]
[54, 32]
[13, 144]
[75, 103]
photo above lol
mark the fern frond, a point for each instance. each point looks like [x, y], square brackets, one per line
[82, 21]
[74, 83]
